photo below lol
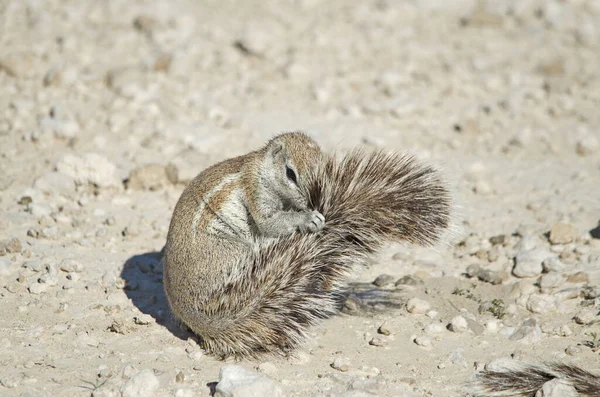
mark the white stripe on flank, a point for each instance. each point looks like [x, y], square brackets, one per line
[205, 199]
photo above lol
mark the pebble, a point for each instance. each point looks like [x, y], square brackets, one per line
[557, 388]
[458, 324]
[434, 328]
[551, 281]
[579, 277]
[89, 168]
[541, 304]
[341, 364]
[196, 356]
[553, 264]
[148, 177]
[383, 280]
[528, 332]
[529, 263]
[237, 381]
[142, 384]
[37, 288]
[378, 341]
[384, 329]
[587, 146]
[409, 280]
[12, 246]
[417, 306]
[423, 341]
[587, 317]
[563, 233]
[180, 377]
[573, 350]
[70, 265]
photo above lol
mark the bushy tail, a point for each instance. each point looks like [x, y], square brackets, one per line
[368, 199]
[526, 379]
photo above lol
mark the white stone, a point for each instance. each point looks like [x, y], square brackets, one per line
[417, 306]
[529, 263]
[458, 324]
[541, 304]
[557, 388]
[237, 381]
[143, 384]
[90, 168]
[434, 328]
[341, 364]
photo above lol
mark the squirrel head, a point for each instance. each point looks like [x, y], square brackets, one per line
[289, 159]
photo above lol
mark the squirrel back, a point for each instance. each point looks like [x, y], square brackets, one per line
[249, 293]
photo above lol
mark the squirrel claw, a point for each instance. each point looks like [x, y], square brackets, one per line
[314, 222]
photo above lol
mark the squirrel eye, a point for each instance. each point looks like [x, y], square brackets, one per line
[291, 174]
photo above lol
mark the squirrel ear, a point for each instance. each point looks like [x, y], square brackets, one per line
[276, 149]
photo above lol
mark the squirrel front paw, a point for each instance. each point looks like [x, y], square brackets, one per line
[314, 222]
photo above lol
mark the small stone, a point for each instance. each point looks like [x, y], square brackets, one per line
[418, 306]
[70, 266]
[529, 263]
[564, 331]
[550, 281]
[557, 388]
[573, 350]
[148, 177]
[498, 240]
[341, 364]
[196, 355]
[378, 341]
[180, 377]
[528, 332]
[384, 330]
[458, 324]
[434, 328]
[541, 304]
[553, 264]
[12, 246]
[89, 169]
[423, 341]
[563, 233]
[493, 277]
[38, 288]
[409, 280]
[579, 277]
[237, 381]
[143, 384]
[588, 146]
[383, 280]
[587, 317]
[33, 265]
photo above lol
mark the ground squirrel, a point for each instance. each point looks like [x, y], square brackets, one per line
[259, 245]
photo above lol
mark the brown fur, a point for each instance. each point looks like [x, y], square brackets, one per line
[248, 297]
[526, 379]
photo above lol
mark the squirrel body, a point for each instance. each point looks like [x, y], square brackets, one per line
[259, 245]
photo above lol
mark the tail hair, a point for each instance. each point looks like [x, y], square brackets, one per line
[287, 285]
[525, 379]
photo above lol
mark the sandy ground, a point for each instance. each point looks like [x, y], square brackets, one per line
[503, 96]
